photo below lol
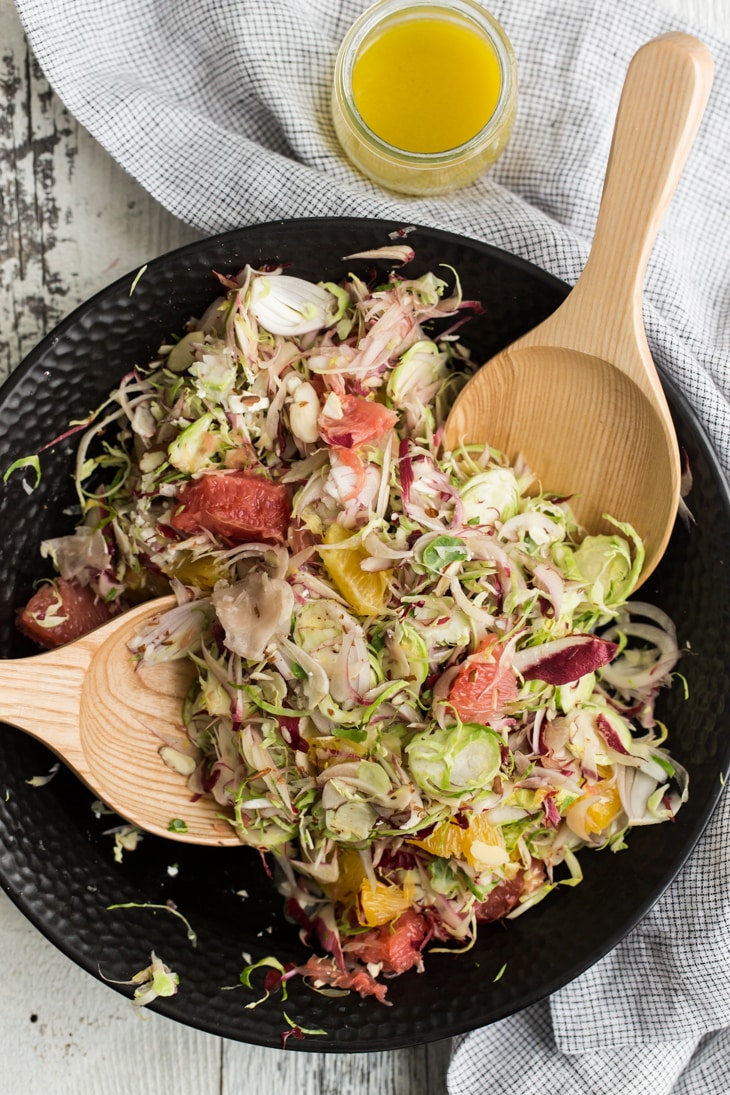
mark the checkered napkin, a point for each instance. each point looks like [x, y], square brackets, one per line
[220, 108]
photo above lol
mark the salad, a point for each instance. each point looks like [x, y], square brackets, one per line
[420, 689]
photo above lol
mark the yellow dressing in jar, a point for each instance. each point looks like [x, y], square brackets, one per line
[426, 84]
[424, 94]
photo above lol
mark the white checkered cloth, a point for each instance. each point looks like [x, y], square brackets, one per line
[220, 108]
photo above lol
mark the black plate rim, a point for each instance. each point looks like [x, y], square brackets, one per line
[65, 944]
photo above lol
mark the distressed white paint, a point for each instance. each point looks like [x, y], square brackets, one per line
[70, 222]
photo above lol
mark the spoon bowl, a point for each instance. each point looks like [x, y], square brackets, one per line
[108, 718]
[535, 395]
[578, 397]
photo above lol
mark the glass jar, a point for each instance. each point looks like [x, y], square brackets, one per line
[465, 64]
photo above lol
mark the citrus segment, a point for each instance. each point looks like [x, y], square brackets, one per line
[483, 685]
[352, 873]
[383, 903]
[600, 814]
[365, 590]
[202, 572]
[451, 840]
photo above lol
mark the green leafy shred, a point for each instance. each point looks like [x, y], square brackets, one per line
[138, 275]
[297, 1031]
[32, 462]
[192, 936]
[154, 981]
[270, 962]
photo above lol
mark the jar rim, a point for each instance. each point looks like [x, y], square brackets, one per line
[468, 12]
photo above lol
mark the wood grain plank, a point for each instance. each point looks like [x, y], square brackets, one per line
[78, 1035]
[62, 1032]
[71, 220]
[420, 1070]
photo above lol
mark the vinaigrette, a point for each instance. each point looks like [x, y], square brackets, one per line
[424, 94]
[427, 84]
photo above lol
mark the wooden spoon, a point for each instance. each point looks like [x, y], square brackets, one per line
[107, 719]
[579, 397]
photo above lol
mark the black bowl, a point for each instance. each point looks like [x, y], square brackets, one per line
[56, 861]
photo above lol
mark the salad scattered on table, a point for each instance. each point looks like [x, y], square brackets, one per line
[420, 690]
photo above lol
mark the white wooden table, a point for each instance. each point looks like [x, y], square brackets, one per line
[71, 221]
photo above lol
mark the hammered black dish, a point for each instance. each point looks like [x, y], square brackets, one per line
[56, 862]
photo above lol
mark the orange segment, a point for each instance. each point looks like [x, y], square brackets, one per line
[451, 841]
[366, 591]
[202, 572]
[384, 903]
[599, 815]
[350, 878]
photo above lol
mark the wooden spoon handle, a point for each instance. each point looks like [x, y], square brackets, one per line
[41, 695]
[663, 100]
[45, 694]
